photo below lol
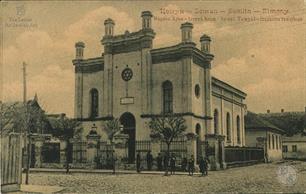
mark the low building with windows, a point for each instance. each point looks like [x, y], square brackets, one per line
[294, 147]
[135, 82]
[261, 133]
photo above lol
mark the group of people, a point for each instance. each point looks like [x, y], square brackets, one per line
[168, 162]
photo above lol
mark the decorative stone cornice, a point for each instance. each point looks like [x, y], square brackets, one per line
[88, 65]
[215, 136]
[227, 99]
[179, 51]
[263, 128]
[227, 87]
[106, 118]
[128, 42]
[176, 114]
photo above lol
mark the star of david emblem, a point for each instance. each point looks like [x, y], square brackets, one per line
[127, 74]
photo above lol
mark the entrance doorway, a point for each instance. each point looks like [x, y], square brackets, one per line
[129, 127]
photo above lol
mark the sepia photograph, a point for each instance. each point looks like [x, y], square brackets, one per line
[153, 96]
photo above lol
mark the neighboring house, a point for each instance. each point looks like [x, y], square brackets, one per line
[135, 82]
[294, 147]
[16, 118]
[261, 133]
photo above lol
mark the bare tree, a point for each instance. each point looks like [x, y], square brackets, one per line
[111, 128]
[166, 129]
[67, 129]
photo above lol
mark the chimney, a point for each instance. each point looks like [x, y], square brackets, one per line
[282, 110]
[186, 29]
[205, 43]
[146, 19]
[79, 50]
[109, 27]
[268, 111]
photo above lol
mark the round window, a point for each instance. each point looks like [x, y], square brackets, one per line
[127, 74]
[197, 90]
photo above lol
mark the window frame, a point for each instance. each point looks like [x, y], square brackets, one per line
[94, 103]
[228, 128]
[216, 121]
[197, 91]
[167, 95]
[238, 128]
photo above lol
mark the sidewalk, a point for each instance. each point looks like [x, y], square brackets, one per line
[103, 171]
[38, 189]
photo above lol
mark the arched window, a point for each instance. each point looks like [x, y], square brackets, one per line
[228, 127]
[238, 129]
[94, 103]
[167, 97]
[216, 121]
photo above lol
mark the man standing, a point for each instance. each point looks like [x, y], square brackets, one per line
[172, 164]
[191, 165]
[206, 161]
[184, 164]
[159, 161]
[166, 161]
[202, 166]
[138, 161]
[149, 160]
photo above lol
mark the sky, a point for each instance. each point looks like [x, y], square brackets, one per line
[265, 59]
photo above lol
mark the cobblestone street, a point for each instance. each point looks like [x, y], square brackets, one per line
[256, 178]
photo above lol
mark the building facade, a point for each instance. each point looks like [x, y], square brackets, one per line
[294, 147]
[261, 133]
[135, 82]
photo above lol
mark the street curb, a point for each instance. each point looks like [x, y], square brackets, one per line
[71, 171]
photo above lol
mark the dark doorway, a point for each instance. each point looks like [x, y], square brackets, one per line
[128, 121]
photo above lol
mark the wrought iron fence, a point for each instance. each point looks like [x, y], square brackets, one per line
[79, 152]
[143, 146]
[178, 147]
[50, 153]
[104, 159]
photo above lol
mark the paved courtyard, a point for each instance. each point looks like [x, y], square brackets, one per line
[256, 178]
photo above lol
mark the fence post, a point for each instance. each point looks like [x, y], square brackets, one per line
[92, 146]
[63, 147]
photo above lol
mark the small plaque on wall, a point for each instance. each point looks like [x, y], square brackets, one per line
[127, 100]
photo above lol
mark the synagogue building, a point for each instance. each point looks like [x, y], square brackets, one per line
[134, 82]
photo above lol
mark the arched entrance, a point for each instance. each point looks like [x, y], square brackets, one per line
[129, 127]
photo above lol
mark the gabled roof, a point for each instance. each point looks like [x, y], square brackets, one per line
[256, 122]
[228, 87]
[291, 122]
[295, 138]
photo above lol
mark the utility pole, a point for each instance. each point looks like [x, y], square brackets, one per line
[24, 82]
[27, 130]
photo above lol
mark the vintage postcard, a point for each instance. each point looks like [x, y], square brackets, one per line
[153, 96]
